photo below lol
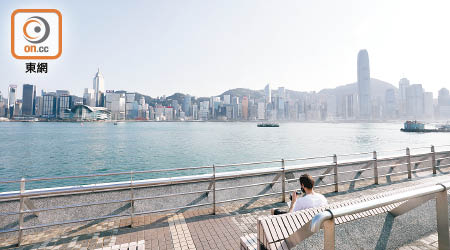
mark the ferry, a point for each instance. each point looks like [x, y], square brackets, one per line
[415, 126]
[268, 125]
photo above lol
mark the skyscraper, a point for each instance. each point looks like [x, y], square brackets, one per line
[364, 84]
[415, 101]
[89, 97]
[402, 86]
[28, 99]
[99, 88]
[12, 89]
[389, 104]
[267, 93]
[187, 105]
[245, 108]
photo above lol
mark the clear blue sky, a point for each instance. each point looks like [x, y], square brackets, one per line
[206, 47]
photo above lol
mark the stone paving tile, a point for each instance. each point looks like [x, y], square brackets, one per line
[428, 242]
[192, 229]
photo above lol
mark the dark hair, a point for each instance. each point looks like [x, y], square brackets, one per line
[307, 181]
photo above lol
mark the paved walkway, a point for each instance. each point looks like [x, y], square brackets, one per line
[194, 229]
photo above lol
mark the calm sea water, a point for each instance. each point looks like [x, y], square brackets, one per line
[33, 150]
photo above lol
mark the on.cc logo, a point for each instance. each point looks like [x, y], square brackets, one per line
[36, 29]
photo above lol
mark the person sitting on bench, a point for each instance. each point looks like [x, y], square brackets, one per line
[310, 198]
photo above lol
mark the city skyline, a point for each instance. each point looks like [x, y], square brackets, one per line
[259, 44]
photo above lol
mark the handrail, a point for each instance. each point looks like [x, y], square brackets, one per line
[205, 167]
[419, 196]
[331, 170]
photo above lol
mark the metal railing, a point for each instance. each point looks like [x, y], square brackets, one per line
[413, 199]
[331, 170]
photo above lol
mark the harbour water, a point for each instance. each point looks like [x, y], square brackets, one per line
[34, 150]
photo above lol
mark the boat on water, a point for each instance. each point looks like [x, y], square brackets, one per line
[419, 127]
[268, 125]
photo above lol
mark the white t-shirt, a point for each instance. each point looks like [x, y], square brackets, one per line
[309, 201]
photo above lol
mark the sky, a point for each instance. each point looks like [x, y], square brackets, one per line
[206, 47]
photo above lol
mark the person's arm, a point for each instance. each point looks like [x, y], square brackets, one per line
[294, 199]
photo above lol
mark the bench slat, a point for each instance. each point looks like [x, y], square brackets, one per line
[267, 231]
[276, 231]
[293, 223]
[287, 225]
[282, 227]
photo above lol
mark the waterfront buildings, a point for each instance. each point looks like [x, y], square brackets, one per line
[115, 103]
[363, 72]
[367, 99]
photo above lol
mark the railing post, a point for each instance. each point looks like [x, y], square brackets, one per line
[283, 181]
[375, 166]
[328, 235]
[408, 160]
[433, 159]
[442, 220]
[21, 209]
[131, 200]
[336, 179]
[214, 189]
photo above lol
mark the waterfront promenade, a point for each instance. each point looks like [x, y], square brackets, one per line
[198, 229]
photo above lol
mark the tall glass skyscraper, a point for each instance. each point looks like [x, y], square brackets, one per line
[99, 88]
[268, 93]
[28, 99]
[364, 85]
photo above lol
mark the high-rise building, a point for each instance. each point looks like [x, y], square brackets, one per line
[187, 105]
[2, 106]
[402, 86]
[63, 102]
[203, 113]
[390, 104]
[131, 106]
[28, 99]
[115, 103]
[415, 101]
[444, 103]
[428, 106]
[261, 111]
[99, 88]
[364, 85]
[444, 97]
[245, 108]
[12, 90]
[49, 105]
[281, 92]
[226, 99]
[89, 97]
[195, 112]
[268, 94]
[39, 105]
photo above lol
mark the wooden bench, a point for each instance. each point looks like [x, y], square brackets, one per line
[287, 230]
